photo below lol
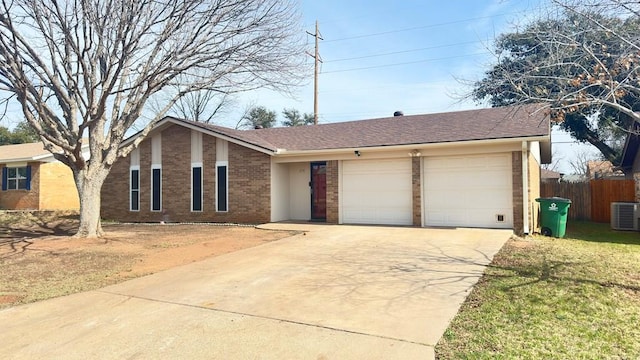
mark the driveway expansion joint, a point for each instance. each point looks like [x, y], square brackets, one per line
[265, 318]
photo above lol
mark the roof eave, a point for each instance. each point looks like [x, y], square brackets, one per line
[15, 160]
[540, 138]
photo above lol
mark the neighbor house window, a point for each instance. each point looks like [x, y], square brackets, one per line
[222, 182]
[16, 178]
[134, 179]
[156, 188]
[196, 187]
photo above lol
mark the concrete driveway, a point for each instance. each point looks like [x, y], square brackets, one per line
[334, 292]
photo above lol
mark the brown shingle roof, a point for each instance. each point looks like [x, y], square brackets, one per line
[22, 151]
[549, 174]
[242, 135]
[483, 124]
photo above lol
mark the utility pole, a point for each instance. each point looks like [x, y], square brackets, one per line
[316, 71]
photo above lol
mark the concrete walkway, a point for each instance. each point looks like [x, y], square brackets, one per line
[333, 292]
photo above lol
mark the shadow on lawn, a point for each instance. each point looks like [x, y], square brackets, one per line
[17, 230]
[546, 272]
[538, 268]
[600, 232]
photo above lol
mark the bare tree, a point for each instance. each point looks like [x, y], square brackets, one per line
[88, 68]
[557, 158]
[202, 106]
[579, 162]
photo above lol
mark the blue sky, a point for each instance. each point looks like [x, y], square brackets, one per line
[382, 56]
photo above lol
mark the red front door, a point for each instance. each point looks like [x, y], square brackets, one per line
[319, 191]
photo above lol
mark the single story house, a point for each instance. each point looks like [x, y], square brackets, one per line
[550, 176]
[32, 179]
[476, 168]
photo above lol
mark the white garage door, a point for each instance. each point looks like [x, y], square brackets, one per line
[376, 192]
[468, 191]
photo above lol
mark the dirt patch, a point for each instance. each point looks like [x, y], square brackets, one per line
[37, 263]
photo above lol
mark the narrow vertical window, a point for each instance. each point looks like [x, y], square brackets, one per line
[156, 189]
[196, 171]
[134, 195]
[196, 188]
[221, 187]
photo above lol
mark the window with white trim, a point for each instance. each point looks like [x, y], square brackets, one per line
[156, 188]
[134, 188]
[222, 186]
[196, 187]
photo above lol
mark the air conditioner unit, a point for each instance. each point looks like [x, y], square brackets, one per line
[625, 216]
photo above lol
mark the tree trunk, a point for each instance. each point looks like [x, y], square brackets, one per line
[89, 188]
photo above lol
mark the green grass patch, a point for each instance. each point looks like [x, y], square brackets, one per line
[546, 298]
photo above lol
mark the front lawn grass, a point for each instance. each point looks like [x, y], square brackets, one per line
[546, 298]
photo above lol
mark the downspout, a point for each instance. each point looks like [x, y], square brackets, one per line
[525, 187]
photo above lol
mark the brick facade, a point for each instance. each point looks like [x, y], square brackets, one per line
[415, 189]
[23, 199]
[249, 185]
[332, 192]
[516, 171]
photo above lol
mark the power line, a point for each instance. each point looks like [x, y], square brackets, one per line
[403, 51]
[402, 63]
[422, 27]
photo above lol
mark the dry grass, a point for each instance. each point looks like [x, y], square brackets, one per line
[39, 259]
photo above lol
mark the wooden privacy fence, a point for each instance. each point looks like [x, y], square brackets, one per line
[604, 192]
[591, 200]
[578, 193]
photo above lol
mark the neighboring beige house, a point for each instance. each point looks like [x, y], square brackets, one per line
[477, 168]
[33, 180]
[602, 169]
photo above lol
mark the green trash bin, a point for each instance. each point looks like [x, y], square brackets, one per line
[553, 213]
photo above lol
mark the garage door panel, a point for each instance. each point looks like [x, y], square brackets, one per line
[377, 192]
[468, 191]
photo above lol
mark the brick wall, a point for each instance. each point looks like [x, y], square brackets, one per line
[114, 199]
[516, 170]
[333, 215]
[415, 184]
[249, 185]
[23, 199]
